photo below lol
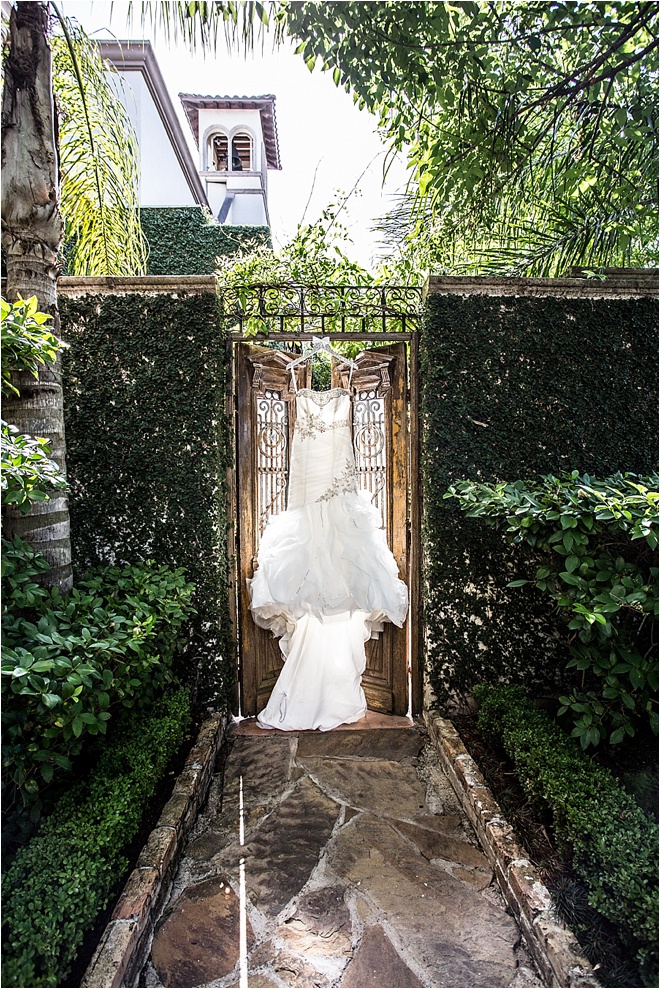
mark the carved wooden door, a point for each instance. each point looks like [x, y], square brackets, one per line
[266, 418]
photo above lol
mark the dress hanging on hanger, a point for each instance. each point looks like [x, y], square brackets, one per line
[326, 580]
[320, 345]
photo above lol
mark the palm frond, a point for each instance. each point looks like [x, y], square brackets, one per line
[99, 160]
[530, 231]
[200, 24]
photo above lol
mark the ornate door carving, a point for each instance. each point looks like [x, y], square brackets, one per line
[266, 418]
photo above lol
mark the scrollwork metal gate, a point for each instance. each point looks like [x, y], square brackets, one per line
[386, 462]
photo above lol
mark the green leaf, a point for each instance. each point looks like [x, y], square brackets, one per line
[62, 761]
[42, 666]
[51, 700]
[46, 771]
[637, 678]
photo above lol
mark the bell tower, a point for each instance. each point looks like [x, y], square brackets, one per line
[237, 141]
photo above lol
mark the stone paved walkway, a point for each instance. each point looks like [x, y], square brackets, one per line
[357, 868]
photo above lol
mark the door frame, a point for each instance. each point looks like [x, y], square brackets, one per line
[414, 644]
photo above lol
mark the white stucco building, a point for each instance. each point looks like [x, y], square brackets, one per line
[236, 139]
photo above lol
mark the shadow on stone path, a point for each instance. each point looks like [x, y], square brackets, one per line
[360, 871]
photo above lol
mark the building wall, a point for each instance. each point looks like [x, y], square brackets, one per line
[247, 211]
[162, 182]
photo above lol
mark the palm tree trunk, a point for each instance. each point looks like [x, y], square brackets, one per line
[32, 231]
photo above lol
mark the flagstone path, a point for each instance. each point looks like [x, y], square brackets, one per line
[357, 868]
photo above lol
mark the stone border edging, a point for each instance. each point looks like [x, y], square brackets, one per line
[554, 947]
[124, 944]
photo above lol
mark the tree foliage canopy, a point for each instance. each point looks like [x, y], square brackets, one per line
[531, 127]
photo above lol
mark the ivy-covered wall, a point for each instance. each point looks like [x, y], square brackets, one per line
[516, 387]
[186, 240]
[147, 451]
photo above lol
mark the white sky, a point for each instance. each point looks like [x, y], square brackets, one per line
[318, 125]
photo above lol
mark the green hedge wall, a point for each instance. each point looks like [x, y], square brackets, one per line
[186, 240]
[516, 387]
[147, 452]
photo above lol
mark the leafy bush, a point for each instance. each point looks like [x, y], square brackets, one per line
[28, 473]
[21, 567]
[612, 841]
[314, 260]
[62, 879]
[599, 539]
[27, 343]
[69, 660]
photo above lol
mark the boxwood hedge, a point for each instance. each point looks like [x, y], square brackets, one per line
[60, 881]
[612, 841]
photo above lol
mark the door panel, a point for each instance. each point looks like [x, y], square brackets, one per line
[266, 419]
[380, 422]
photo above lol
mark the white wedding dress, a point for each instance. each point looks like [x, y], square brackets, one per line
[326, 580]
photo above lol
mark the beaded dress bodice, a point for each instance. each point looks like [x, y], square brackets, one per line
[322, 460]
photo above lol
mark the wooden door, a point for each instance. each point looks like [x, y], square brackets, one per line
[266, 418]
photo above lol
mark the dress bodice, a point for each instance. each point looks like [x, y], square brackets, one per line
[322, 398]
[322, 461]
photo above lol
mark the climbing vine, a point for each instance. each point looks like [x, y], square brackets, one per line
[144, 384]
[518, 388]
[186, 240]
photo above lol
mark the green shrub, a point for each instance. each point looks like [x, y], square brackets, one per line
[62, 879]
[597, 541]
[69, 661]
[28, 473]
[21, 568]
[612, 841]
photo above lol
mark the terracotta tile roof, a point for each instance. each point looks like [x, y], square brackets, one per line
[193, 103]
